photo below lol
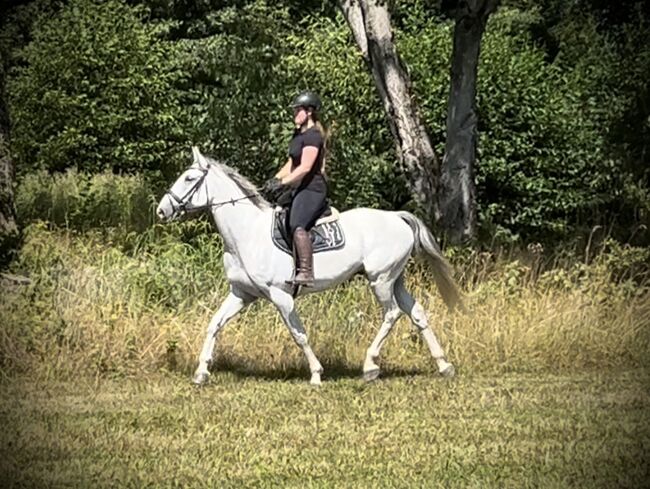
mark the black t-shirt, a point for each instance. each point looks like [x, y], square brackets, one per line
[314, 180]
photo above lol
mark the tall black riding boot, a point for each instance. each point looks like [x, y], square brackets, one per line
[304, 259]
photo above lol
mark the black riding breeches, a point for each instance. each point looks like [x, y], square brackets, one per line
[307, 206]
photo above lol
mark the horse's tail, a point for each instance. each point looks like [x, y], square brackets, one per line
[426, 244]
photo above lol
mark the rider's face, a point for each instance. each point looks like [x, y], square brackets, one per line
[299, 116]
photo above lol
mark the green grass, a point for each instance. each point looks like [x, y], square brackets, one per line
[96, 355]
[258, 430]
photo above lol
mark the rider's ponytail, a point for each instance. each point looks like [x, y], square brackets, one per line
[325, 133]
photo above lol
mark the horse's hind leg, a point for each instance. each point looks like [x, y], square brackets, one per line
[234, 303]
[419, 319]
[285, 304]
[384, 292]
[416, 312]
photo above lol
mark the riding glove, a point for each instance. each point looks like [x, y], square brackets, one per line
[272, 189]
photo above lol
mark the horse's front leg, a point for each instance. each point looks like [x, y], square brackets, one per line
[286, 305]
[234, 303]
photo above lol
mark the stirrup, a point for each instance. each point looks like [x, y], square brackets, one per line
[307, 284]
[292, 281]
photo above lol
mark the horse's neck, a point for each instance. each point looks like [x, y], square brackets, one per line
[235, 221]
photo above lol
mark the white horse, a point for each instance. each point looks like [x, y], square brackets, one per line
[379, 243]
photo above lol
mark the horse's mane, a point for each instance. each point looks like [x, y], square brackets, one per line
[243, 183]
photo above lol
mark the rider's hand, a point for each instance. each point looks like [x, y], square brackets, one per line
[272, 188]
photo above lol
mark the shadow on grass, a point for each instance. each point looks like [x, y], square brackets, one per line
[333, 369]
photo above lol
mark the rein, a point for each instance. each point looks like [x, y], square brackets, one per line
[224, 202]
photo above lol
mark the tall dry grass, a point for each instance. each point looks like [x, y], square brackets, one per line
[97, 307]
[85, 201]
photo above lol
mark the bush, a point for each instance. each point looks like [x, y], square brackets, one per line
[563, 130]
[83, 201]
[547, 169]
[97, 90]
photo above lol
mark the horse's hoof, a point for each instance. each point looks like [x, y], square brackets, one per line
[315, 380]
[448, 372]
[371, 375]
[200, 379]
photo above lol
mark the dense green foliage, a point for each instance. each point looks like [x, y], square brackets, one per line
[548, 165]
[98, 90]
[84, 202]
[250, 125]
[562, 100]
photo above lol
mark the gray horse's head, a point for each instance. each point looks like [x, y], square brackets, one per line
[188, 192]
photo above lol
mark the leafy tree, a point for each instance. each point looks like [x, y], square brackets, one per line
[456, 192]
[8, 228]
[99, 90]
[361, 156]
[246, 75]
[13, 26]
[370, 23]
[562, 100]
[241, 87]
[546, 167]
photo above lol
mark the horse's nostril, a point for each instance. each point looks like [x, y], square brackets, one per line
[160, 213]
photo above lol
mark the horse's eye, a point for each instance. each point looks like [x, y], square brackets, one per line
[189, 178]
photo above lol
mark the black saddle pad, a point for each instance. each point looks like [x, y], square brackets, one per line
[325, 237]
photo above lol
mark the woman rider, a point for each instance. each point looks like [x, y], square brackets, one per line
[303, 171]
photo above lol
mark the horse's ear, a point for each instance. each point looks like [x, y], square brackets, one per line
[196, 154]
[198, 157]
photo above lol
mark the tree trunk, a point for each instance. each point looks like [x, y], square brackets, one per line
[457, 191]
[8, 228]
[370, 24]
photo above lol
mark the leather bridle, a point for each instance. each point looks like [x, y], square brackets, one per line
[181, 203]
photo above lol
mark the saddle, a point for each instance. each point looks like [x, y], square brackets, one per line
[326, 234]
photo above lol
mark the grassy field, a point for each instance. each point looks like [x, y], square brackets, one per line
[96, 354]
[103, 306]
[256, 430]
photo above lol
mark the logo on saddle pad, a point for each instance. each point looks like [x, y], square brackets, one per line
[326, 234]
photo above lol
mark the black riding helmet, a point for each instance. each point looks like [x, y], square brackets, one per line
[306, 99]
